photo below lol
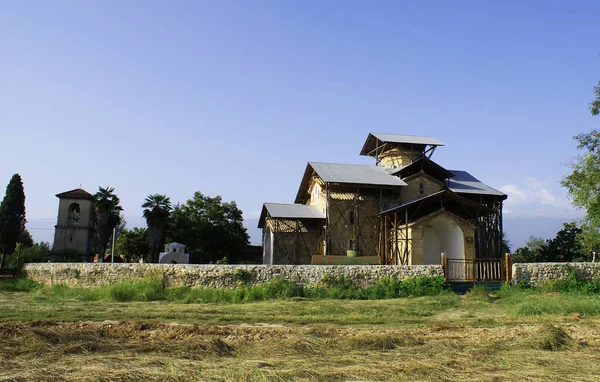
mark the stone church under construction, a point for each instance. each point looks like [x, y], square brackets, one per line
[404, 210]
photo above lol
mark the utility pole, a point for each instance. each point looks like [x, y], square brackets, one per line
[112, 254]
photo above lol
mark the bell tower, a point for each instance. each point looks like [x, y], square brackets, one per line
[397, 151]
[73, 233]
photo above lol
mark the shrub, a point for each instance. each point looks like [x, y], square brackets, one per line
[19, 285]
[573, 283]
[410, 287]
[243, 275]
[150, 289]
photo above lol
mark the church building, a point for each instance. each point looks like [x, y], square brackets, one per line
[405, 209]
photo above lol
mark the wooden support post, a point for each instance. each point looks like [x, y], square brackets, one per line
[297, 239]
[328, 222]
[381, 247]
[357, 226]
[444, 265]
[508, 268]
[405, 256]
[386, 240]
[396, 238]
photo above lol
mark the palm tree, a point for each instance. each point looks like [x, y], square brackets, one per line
[157, 212]
[108, 216]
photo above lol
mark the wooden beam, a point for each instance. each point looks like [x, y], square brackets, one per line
[328, 216]
[508, 268]
[386, 235]
[396, 237]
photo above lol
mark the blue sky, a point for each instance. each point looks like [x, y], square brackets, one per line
[233, 98]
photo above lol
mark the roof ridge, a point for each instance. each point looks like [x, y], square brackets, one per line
[348, 164]
[407, 135]
[290, 204]
[79, 193]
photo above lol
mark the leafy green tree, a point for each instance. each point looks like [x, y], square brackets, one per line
[37, 253]
[12, 217]
[532, 252]
[25, 239]
[583, 187]
[506, 244]
[211, 229]
[566, 245]
[157, 212]
[108, 216]
[132, 244]
[595, 105]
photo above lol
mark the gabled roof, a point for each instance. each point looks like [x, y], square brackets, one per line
[78, 193]
[289, 211]
[348, 174]
[456, 204]
[423, 164]
[376, 139]
[464, 183]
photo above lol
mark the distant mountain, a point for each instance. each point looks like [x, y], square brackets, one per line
[42, 229]
[518, 229]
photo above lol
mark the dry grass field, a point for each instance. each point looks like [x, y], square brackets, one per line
[477, 337]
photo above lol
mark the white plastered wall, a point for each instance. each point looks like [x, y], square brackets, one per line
[441, 234]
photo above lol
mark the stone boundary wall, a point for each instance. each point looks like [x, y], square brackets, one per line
[535, 274]
[217, 276]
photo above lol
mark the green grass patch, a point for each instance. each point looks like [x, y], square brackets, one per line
[18, 285]
[152, 289]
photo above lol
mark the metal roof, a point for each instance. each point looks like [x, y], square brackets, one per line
[423, 164]
[355, 174]
[289, 211]
[454, 203]
[409, 139]
[371, 144]
[465, 183]
[347, 174]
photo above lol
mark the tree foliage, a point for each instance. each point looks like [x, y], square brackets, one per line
[132, 244]
[157, 212]
[566, 246]
[25, 239]
[108, 216]
[595, 104]
[36, 253]
[583, 187]
[12, 216]
[211, 229]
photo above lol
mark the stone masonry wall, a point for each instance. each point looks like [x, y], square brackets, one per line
[217, 276]
[535, 274]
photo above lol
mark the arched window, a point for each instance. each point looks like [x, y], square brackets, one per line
[74, 212]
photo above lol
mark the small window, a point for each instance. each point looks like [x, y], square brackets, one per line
[421, 188]
[351, 217]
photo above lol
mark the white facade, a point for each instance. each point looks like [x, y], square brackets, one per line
[174, 254]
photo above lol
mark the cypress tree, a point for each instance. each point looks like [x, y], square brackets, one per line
[12, 216]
